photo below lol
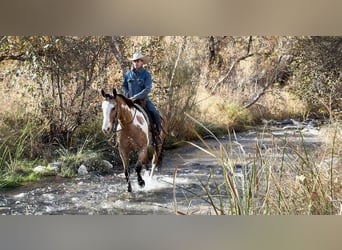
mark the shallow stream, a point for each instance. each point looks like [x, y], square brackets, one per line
[163, 194]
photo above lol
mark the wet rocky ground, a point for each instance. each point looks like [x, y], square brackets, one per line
[176, 188]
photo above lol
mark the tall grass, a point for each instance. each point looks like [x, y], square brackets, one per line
[278, 176]
[20, 144]
[13, 168]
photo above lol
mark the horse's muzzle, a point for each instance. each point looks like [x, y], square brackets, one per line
[106, 130]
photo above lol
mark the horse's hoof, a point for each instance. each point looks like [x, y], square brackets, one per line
[142, 183]
[129, 188]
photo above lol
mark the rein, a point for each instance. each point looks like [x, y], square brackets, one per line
[116, 125]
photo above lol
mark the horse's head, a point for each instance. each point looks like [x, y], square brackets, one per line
[109, 110]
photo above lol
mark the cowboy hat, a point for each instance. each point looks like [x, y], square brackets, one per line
[138, 56]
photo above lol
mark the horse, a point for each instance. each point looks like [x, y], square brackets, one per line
[134, 133]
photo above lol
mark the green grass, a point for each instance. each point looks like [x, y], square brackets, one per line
[17, 180]
[15, 148]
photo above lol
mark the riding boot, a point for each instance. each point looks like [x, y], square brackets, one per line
[155, 131]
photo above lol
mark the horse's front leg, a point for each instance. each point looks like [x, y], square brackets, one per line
[125, 163]
[129, 186]
[142, 158]
[141, 181]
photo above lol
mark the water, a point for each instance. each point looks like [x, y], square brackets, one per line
[163, 194]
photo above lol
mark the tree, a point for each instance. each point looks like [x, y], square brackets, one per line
[318, 73]
[64, 70]
[247, 66]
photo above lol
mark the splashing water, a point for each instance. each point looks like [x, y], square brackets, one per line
[151, 182]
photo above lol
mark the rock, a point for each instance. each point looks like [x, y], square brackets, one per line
[45, 170]
[107, 164]
[287, 122]
[82, 170]
[99, 166]
[55, 166]
[105, 168]
[39, 169]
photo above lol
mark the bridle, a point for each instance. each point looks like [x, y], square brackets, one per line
[115, 124]
[115, 121]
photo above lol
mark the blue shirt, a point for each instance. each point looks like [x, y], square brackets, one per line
[137, 84]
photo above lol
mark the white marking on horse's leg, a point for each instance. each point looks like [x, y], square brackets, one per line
[153, 164]
[125, 163]
[152, 170]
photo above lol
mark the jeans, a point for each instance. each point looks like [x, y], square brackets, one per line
[154, 113]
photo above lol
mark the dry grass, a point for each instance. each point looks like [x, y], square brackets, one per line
[220, 112]
[302, 181]
[332, 135]
[279, 105]
[227, 112]
[287, 177]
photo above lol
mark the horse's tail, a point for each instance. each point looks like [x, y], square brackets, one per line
[163, 134]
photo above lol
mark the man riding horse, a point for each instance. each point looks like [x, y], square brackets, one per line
[137, 84]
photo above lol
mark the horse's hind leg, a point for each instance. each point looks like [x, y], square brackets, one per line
[157, 158]
[154, 161]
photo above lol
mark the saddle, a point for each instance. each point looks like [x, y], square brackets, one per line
[141, 105]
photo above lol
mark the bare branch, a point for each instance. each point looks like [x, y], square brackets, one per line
[180, 50]
[229, 71]
[264, 90]
[257, 97]
[249, 44]
[13, 57]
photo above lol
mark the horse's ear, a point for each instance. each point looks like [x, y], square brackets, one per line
[114, 92]
[103, 93]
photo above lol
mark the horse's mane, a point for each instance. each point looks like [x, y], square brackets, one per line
[128, 101]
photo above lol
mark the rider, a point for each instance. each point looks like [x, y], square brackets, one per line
[137, 84]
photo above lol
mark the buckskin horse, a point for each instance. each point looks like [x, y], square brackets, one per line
[134, 133]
